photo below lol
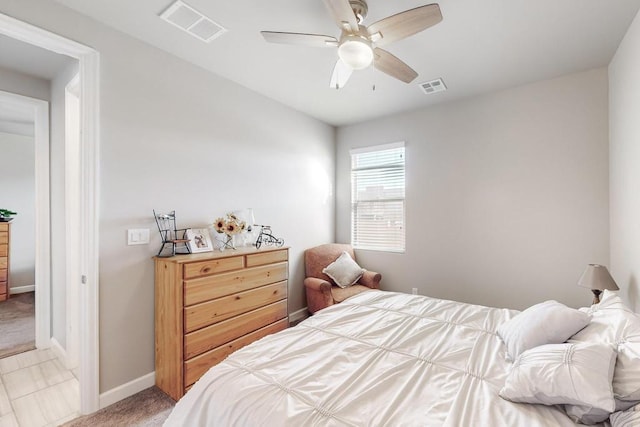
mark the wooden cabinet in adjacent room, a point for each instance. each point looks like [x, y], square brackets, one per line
[5, 234]
[208, 305]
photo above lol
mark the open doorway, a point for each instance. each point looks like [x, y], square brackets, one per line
[17, 197]
[86, 248]
[28, 189]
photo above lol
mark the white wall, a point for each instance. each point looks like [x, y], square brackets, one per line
[25, 85]
[507, 193]
[18, 193]
[624, 133]
[173, 136]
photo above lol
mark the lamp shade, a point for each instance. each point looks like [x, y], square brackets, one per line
[356, 52]
[597, 277]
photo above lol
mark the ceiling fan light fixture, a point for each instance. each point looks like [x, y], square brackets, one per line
[356, 52]
[359, 45]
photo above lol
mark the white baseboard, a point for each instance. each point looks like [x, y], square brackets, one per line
[298, 316]
[22, 289]
[60, 352]
[125, 390]
[132, 387]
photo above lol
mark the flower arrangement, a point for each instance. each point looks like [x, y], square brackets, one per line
[230, 225]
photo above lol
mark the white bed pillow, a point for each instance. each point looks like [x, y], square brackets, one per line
[628, 418]
[613, 322]
[549, 322]
[576, 375]
[344, 271]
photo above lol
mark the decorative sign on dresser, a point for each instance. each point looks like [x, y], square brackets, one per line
[209, 305]
[5, 230]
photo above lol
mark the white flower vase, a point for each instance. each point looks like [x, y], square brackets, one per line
[252, 236]
[244, 239]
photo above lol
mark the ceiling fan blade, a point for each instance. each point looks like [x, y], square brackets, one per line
[391, 65]
[315, 40]
[343, 14]
[340, 76]
[404, 24]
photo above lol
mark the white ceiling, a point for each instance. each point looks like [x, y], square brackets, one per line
[29, 59]
[480, 46]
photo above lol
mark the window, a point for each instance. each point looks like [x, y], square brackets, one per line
[377, 198]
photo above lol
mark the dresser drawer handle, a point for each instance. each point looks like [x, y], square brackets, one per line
[205, 270]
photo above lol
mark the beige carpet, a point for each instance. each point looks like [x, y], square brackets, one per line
[18, 324]
[150, 407]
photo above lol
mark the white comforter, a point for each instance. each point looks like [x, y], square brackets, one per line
[377, 359]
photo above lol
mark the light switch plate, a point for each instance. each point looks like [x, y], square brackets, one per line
[138, 236]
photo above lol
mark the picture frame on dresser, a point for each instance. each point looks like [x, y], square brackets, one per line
[199, 240]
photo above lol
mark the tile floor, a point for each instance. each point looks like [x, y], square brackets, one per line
[36, 391]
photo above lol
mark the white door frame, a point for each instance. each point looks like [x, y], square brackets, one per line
[40, 110]
[72, 208]
[88, 195]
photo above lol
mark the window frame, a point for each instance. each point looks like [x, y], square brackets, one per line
[370, 149]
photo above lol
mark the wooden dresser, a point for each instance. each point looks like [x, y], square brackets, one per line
[5, 230]
[208, 305]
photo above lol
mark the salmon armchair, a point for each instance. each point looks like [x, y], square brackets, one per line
[320, 289]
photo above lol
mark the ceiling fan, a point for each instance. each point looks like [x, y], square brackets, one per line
[359, 46]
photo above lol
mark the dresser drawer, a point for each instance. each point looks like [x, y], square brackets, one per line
[4, 263]
[4, 226]
[217, 310]
[221, 333]
[4, 275]
[4, 237]
[212, 266]
[3, 287]
[208, 305]
[219, 285]
[4, 249]
[267, 258]
[196, 367]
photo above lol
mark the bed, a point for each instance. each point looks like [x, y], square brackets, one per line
[376, 359]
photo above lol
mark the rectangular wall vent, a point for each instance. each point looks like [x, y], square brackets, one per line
[433, 86]
[193, 22]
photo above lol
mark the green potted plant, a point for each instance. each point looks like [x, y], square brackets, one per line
[6, 215]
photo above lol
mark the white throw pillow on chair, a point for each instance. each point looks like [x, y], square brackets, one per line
[344, 271]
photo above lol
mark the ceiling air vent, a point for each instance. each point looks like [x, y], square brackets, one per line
[193, 22]
[433, 86]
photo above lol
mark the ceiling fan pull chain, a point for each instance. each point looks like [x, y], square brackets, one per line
[373, 72]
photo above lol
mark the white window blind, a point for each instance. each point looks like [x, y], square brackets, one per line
[377, 198]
